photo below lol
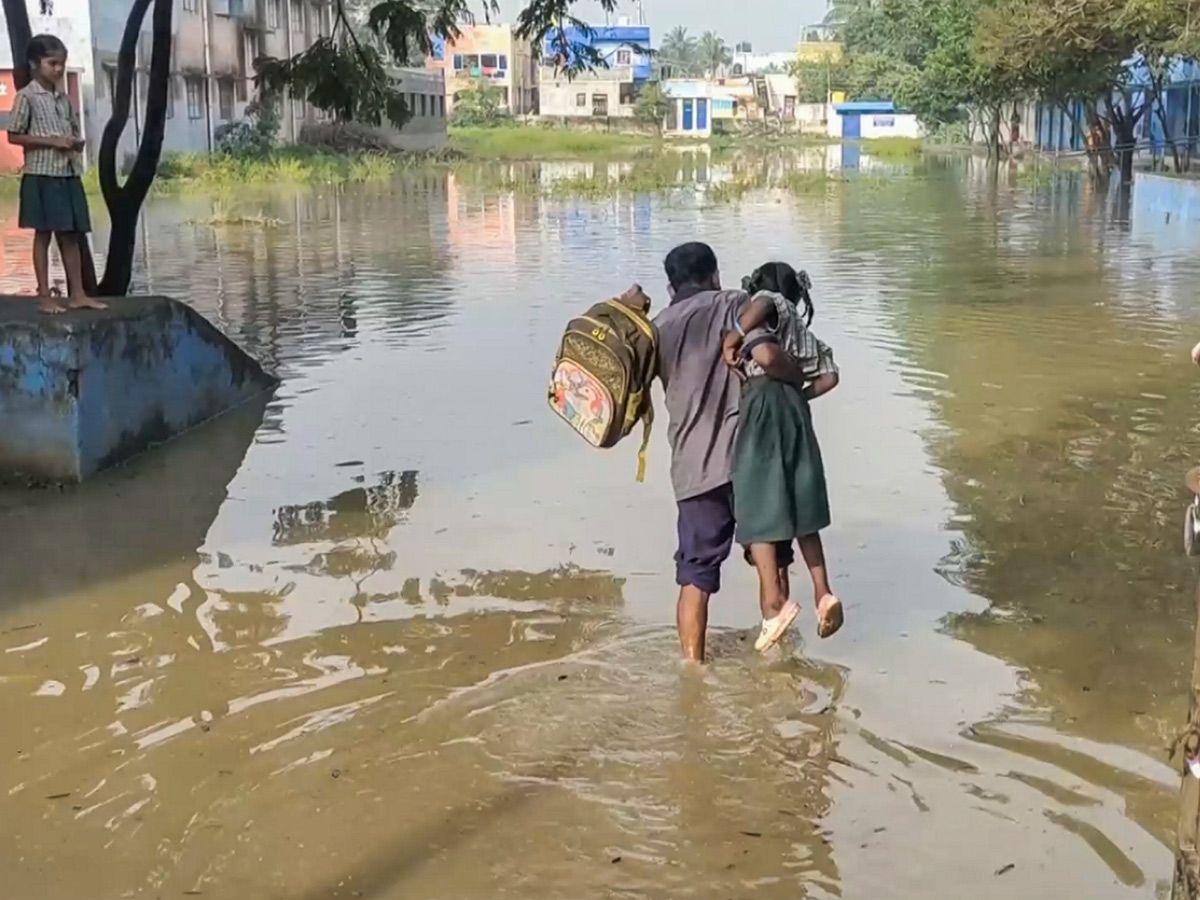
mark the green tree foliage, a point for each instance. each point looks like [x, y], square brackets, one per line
[1069, 51]
[713, 53]
[652, 105]
[680, 52]
[347, 75]
[479, 105]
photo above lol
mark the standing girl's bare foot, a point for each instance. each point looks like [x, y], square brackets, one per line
[50, 305]
[85, 302]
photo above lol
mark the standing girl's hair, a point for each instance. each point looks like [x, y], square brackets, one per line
[42, 45]
[780, 278]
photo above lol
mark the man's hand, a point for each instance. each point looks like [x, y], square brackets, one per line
[731, 350]
[635, 298]
[65, 142]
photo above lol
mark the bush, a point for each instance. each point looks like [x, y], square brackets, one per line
[478, 106]
[253, 136]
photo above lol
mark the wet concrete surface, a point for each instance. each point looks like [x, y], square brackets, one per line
[400, 635]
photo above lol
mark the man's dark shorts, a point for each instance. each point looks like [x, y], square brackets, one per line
[706, 536]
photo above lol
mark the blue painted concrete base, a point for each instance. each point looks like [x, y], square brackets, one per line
[86, 390]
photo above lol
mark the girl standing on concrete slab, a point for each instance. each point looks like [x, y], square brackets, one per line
[53, 203]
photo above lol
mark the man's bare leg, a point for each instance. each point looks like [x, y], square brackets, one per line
[68, 246]
[691, 617]
[41, 272]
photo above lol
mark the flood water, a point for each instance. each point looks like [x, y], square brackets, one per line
[400, 634]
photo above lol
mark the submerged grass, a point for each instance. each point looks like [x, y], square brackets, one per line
[292, 165]
[522, 142]
[899, 149]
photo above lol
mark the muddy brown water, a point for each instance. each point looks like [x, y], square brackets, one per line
[399, 634]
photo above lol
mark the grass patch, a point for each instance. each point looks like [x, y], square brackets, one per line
[516, 142]
[897, 149]
[291, 165]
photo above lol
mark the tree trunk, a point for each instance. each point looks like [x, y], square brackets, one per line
[16, 17]
[125, 201]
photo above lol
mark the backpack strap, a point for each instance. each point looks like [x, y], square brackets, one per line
[647, 425]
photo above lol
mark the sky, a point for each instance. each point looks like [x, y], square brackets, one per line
[768, 24]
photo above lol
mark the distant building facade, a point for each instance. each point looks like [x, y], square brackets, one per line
[873, 119]
[607, 91]
[493, 53]
[214, 45]
[690, 111]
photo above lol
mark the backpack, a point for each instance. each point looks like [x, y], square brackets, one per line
[602, 373]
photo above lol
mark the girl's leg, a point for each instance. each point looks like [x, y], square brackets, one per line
[829, 608]
[68, 246]
[41, 271]
[778, 611]
[814, 558]
[771, 595]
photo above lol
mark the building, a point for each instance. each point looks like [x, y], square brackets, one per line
[735, 100]
[71, 21]
[746, 62]
[607, 91]
[1051, 128]
[491, 52]
[213, 48]
[691, 107]
[873, 119]
[425, 94]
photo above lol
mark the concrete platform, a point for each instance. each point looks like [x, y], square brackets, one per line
[86, 390]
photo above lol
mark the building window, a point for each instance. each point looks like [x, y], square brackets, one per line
[220, 7]
[423, 108]
[195, 98]
[458, 62]
[624, 58]
[272, 14]
[189, 5]
[318, 15]
[297, 15]
[471, 62]
[46, 7]
[581, 99]
[110, 80]
[502, 62]
[225, 99]
[627, 95]
[442, 105]
[600, 105]
[297, 110]
[171, 97]
[488, 60]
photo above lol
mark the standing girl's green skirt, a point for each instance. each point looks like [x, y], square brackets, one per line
[779, 488]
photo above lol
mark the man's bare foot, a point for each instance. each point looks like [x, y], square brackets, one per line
[86, 302]
[50, 306]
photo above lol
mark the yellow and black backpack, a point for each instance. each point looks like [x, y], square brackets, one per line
[602, 374]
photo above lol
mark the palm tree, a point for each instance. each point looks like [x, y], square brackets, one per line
[714, 53]
[679, 51]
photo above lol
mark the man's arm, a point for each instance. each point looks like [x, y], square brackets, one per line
[755, 314]
[54, 142]
[780, 366]
[776, 364]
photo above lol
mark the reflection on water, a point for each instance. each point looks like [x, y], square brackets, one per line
[398, 635]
